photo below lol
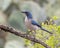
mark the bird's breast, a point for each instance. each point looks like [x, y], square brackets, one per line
[29, 25]
[27, 22]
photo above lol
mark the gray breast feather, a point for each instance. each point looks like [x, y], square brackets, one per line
[29, 25]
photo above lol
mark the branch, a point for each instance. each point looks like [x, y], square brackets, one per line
[23, 35]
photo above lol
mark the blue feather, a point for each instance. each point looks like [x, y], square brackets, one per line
[35, 23]
[29, 15]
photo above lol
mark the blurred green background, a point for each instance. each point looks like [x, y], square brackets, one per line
[10, 14]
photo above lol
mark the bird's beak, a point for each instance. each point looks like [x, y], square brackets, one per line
[22, 12]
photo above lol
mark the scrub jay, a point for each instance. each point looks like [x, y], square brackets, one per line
[31, 23]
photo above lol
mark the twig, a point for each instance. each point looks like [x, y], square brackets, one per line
[23, 35]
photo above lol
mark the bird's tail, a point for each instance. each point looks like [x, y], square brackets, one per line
[46, 30]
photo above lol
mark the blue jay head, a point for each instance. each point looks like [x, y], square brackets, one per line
[28, 14]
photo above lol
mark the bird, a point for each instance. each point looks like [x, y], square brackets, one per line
[31, 24]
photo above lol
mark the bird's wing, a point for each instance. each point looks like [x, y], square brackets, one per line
[35, 23]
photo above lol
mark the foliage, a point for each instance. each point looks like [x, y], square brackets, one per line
[51, 40]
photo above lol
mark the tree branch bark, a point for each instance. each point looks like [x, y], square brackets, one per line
[23, 35]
